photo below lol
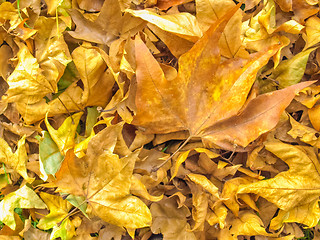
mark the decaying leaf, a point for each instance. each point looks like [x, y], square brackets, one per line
[24, 197]
[295, 187]
[104, 180]
[158, 119]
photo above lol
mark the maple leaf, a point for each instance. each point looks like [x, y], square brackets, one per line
[58, 207]
[27, 83]
[17, 160]
[104, 180]
[292, 188]
[24, 197]
[205, 92]
[170, 220]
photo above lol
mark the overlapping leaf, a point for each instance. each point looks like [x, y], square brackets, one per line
[205, 92]
[104, 180]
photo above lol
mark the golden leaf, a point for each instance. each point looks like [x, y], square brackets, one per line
[295, 187]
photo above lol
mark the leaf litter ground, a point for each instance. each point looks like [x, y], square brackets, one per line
[159, 119]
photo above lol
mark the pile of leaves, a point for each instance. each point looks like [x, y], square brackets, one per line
[168, 119]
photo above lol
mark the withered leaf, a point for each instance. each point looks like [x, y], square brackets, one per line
[295, 187]
[104, 180]
[194, 101]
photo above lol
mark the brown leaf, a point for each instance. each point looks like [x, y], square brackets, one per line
[189, 102]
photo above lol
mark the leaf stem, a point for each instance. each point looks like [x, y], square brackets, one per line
[19, 13]
[73, 211]
[172, 155]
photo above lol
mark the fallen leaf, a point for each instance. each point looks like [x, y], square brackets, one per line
[50, 158]
[308, 215]
[295, 187]
[24, 197]
[65, 135]
[170, 221]
[205, 183]
[208, 11]
[183, 24]
[59, 209]
[107, 195]
[290, 72]
[170, 106]
[248, 223]
[263, 111]
[17, 160]
[27, 83]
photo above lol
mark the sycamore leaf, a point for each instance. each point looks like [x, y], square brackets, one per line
[193, 101]
[184, 25]
[139, 189]
[261, 30]
[57, 5]
[64, 136]
[79, 202]
[170, 220]
[304, 133]
[9, 12]
[91, 66]
[17, 160]
[199, 208]
[205, 183]
[97, 88]
[59, 209]
[24, 197]
[52, 52]
[217, 215]
[295, 187]
[230, 198]
[308, 215]
[208, 11]
[314, 114]
[104, 29]
[50, 157]
[312, 32]
[290, 72]
[259, 116]
[248, 223]
[65, 231]
[27, 83]
[104, 180]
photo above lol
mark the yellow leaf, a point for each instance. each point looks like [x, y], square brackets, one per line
[59, 209]
[205, 183]
[182, 24]
[308, 215]
[248, 223]
[18, 160]
[165, 105]
[139, 189]
[24, 197]
[218, 215]
[52, 51]
[181, 159]
[209, 11]
[64, 136]
[27, 83]
[305, 134]
[199, 207]
[312, 33]
[170, 220]
[65, 231]
[229, 194]
[104, 180]
[295, 187]
[314, 116]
